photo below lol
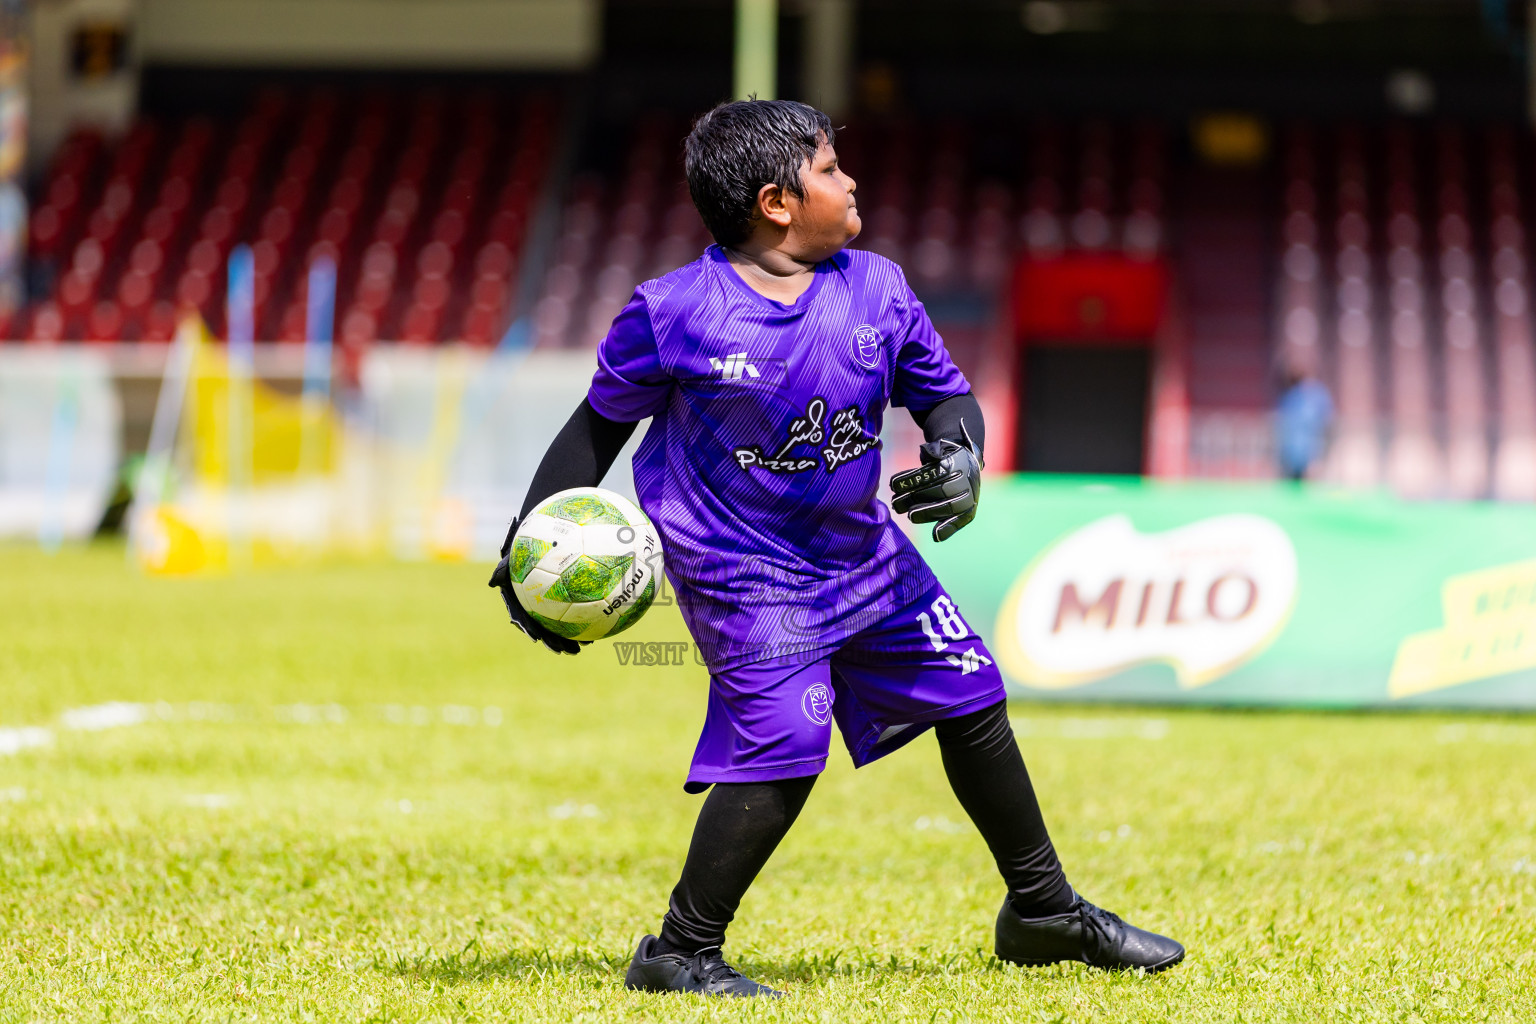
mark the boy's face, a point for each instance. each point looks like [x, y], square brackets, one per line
[827, 219]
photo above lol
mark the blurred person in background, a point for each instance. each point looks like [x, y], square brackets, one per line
[1303, 419]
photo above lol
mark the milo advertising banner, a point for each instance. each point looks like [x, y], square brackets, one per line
[1100, 589]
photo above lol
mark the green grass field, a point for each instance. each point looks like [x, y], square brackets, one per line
[352, 793]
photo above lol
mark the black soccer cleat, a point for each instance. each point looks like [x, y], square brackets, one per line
[1085, 933]
[705, 972]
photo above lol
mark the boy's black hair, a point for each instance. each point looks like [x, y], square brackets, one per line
[737, 148]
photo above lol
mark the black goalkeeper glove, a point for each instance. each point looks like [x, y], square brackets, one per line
[944, 490]
[502, 578]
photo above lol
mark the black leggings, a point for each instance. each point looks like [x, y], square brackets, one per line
[742, 823]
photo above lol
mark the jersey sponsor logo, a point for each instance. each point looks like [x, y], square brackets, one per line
[866, 346]
[848, 438]
[733, 366]
[1203, 598]
[842, 440]
[805, 429]
[816, 702]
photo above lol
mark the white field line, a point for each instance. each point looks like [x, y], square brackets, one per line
[27, 737]
[208, 801]
[115, 715]
[126, 714]
[1489, 732]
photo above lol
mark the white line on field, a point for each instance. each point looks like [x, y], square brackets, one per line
[27, 737]
[572, 809]
[208, 801]
[940, 824]
[120, 714]
[1461, 732]
[114, 715]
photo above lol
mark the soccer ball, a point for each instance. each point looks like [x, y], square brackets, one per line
[586, 563]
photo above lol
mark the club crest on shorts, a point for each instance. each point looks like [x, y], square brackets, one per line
[866, 346]
[816, 702]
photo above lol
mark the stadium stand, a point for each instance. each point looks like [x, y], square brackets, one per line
[1427, 298]
[614, 233]
[423, 203]
[956, 232]
[1389, 259]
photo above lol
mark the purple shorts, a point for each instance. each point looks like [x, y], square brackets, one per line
[884, 687]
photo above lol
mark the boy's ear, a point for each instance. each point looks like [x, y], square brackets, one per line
[772, 205]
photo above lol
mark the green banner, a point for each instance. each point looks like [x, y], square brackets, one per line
[1130, 590]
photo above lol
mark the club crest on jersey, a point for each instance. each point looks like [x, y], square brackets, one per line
[866, 346]
[816, 702]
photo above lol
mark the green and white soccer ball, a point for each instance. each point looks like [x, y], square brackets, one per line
[586, 563]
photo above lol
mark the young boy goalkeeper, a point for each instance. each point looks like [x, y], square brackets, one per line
[766, 367]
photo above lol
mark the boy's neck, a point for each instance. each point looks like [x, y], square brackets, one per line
[770, 271]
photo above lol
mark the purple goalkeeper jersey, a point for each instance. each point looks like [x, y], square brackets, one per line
[762, 462]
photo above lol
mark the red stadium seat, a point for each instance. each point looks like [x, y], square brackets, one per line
[277, 225]
[147, 257]
[194, 290]
[105, 323]
[76, 293]
[233, 195]
[489, 291]
[335, 226]
[160, 224]
[448, 228]
[420, 325]
[506, 228]
[89, 258]
[47, 229]
[494, 259]
[404, 197]
[293, 324]
[175, 194]
[47, 323]
[481, 325]
[393, 226]
[160, 324]
[206, 258]
[374, 292]
[359, 328]
[432, 293]
[323, 248]
[135, 291]
[218, 225]
[266, 257]
[63, 192]
[379, 260]
[291, 194]
[347, 195]
[435, 260]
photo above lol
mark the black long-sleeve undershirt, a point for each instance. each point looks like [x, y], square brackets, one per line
[956, 419]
